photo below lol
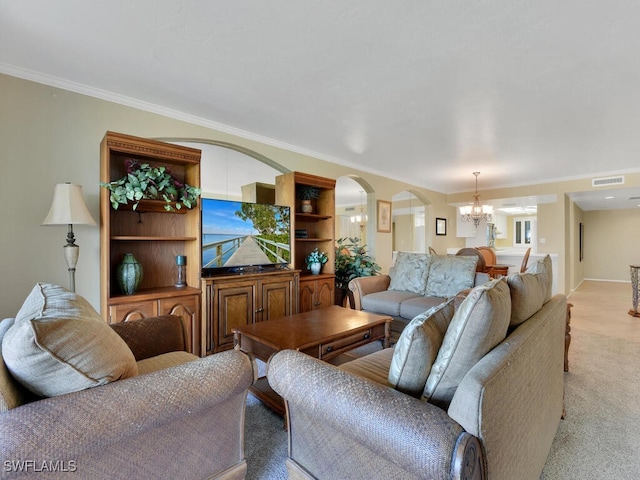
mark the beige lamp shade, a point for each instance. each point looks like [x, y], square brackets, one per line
[68, 207]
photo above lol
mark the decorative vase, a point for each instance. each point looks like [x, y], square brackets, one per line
[306, 206]
[129, 274]
[181, 264]
[315, 268]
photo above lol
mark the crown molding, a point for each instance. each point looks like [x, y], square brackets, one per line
[94, 92]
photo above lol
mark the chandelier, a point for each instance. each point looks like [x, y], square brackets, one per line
[476, 212]
[361, 219]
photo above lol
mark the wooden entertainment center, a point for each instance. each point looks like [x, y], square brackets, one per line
[211, 307]
[154, 236]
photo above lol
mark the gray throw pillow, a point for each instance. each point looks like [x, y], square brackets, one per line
[60, 344]
[544, 267]
[528, 292]
[450, 274]
[417, 348]
[409, 274]
[479, 324]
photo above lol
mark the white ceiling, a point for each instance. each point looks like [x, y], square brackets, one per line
[423, 92]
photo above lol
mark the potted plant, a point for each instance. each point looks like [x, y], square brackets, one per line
[315, 260]
[352, 261]
[144, 181]
[306, 193]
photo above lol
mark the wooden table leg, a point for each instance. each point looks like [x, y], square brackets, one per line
[567, 338]
[634, 290]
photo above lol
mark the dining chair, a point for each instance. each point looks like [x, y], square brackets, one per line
[525, 260]
[494, 270]
[481, 266]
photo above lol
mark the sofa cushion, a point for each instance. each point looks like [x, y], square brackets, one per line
[374, 366]
[164, 360]
[386, 302]
[479, 324]
[12, 393]
[59, 344]
[450, 274]
[528, 292]
[409, 274]
[544, 267]
[417, 348]
[412, 307]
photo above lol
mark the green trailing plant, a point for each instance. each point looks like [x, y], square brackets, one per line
[144, 181]
[307, 192]
[352, 261]
[316, 256]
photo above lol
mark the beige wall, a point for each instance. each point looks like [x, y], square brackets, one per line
[577, 264]
[50, 136]
[611, 243]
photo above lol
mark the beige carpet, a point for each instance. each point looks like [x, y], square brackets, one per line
[600, 436]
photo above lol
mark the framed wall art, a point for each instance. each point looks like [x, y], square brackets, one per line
[384, 216]
[441, 226]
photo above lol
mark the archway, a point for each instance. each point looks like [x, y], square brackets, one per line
[355, 209]
[233, 172]
[410, 227]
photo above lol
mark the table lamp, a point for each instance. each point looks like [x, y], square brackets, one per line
[68, 208]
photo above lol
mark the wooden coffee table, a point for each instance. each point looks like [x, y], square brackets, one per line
[323, 334]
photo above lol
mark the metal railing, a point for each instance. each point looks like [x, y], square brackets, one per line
[222, 247]
[274, 248]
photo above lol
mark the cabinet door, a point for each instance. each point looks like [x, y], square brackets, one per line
[316, 293]
[307, 295]
[233, 306]
[276, 299]
[128, 312]
[324, 293]
[188, 309]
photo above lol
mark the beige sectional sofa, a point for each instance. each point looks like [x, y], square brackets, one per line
[415, 283]
[128, 401]
[481, 399]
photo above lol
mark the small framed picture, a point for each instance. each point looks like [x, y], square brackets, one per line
[384, 216]
[441, 226]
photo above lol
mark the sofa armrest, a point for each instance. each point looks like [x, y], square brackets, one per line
[362, 286]
[125, 426]
[324, 402]
[153, 336]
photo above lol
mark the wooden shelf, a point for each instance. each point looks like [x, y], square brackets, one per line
[138, 238]
[313, 239]
[153, 206]
[312, 217]
[156, 292]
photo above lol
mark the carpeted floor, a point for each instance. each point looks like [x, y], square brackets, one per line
[599, 438]
[265, 442]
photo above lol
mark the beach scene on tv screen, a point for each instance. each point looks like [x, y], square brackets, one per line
[236, 234]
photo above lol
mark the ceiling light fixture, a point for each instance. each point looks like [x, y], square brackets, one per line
[362, 218]
[476, 212]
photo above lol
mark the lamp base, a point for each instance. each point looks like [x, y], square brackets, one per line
[71, 253]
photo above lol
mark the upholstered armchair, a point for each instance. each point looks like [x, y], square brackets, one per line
[180, 416]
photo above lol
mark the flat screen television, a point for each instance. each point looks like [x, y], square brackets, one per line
[244, 237]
